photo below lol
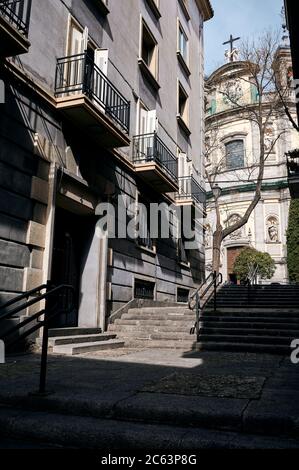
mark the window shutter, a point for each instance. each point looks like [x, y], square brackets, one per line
[101, 60]
[85, 39]
[152, 122]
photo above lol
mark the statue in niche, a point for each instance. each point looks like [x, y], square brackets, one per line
[272, 228]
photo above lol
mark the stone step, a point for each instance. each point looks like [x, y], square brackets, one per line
[120, 328]
[159, 310]
[64, 340]
[151, 335]
[159, 317]
[260, 297]
[160, 344]
[242, 347]
[153, 321]
[271, 340]
[264, 288]
[249, 332]
[256, 304]
[150, 323]
[260, 325]
[76, 331]
[80, 348]
[249, 312]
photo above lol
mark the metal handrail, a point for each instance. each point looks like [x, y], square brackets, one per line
[202, 299]
[17, 13]
[79, 73]
[150, 148]
[252, 276]
[194, 295]
[251, 279]
[20, 297]
[190, 188]
[47, 313]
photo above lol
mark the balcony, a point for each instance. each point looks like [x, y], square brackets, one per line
[14, 27]
[88, 98]
[190, 193]
[293, 173]
[155, 163]
[102, 5]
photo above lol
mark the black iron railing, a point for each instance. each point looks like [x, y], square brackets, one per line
[202, 297]
[17, 13]
[189, 188]
[293, 164]
[79, 74]
[58, 300]
[150, 148]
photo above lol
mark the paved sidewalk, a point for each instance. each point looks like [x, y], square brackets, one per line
[227, 398]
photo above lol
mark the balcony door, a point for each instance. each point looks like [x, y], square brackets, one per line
[184, 171]
[74, 70]
[100, 71]
[147, 126]
[147, 121]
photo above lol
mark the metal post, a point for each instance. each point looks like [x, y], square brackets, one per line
[215, 291]
[44, 357]
[197, 314]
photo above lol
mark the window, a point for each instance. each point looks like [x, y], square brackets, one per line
[149, 51]
[183, 48]
[183, 109]
[143, 225]
[185, 8]
[144, 290]
[155, 4]
[235, 154]
[183, 295]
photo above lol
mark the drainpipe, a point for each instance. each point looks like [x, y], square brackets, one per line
[102, 288]
[48, 253]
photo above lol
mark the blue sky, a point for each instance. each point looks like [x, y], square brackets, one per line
[244, 18]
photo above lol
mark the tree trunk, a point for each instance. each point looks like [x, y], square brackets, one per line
[217, 241]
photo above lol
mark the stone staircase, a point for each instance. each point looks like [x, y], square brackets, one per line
[156, 327]
[265, 321]
[72, 341]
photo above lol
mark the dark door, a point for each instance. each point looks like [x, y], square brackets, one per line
[66, 264]
[232, 255]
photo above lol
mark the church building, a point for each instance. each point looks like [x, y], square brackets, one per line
[234, 142]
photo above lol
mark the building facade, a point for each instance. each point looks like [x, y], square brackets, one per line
[100, 105]
[293, 158]
[235, 155]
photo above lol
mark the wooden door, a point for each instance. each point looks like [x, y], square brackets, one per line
[232, 255]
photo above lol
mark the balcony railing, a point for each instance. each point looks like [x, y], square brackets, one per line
[293, 165]
[79, 74]
[17, 13]
[150, 148]
[189, 188]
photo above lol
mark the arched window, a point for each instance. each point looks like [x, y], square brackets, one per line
[235, 155]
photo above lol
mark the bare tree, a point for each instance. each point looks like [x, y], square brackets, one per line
[259, 68]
